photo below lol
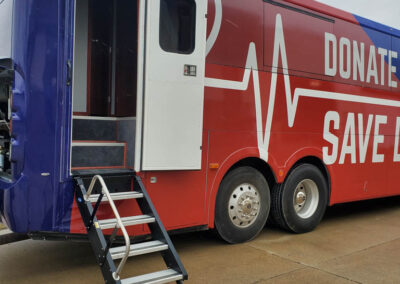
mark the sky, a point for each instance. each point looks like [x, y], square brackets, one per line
[382, 11]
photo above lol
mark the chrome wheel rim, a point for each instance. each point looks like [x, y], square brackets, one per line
[306, 198]
[244, 205]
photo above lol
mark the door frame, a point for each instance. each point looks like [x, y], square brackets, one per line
[141, 67]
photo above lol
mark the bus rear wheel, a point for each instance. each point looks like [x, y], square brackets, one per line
[299, 204]
[242, 205]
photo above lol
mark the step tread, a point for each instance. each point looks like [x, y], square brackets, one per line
[88, 143]
[139, 249]
[158, 277]
[102, 118]
[127, 221]
[117, 196]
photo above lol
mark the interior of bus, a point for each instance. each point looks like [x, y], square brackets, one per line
[104, 84]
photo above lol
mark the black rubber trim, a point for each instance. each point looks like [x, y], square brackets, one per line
[104, 172]
[6, 63]
[83, 238]
[6, 71]
[12, 238]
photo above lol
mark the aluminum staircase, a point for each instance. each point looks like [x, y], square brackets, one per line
[104, 251]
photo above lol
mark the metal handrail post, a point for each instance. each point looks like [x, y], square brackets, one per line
[105, 191]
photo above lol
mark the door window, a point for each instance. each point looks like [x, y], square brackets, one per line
[178, 26]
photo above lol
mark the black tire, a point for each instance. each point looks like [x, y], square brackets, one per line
[224, 225]
[282, 204]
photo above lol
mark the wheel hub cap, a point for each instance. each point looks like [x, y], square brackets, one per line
[301, 198]
[306, 198]
[244, 205]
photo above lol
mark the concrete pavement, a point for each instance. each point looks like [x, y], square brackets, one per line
[355, 243]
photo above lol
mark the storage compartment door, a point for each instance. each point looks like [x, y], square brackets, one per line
[174, 84]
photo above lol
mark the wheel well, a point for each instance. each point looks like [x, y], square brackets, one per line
[319, 164]
[259, 165]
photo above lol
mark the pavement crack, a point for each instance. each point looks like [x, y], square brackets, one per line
[337, 275]
[359, 251]
[304, 266]
[279, 275]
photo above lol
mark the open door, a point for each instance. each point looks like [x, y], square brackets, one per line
[100, 42]
[174, 72]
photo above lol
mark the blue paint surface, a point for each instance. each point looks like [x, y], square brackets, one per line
[377, 26]
[383, 36]
[42, 42]
[396, 47]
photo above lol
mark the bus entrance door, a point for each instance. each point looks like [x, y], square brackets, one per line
[174, 67]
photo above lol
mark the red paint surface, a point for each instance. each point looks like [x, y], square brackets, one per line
[187, 198]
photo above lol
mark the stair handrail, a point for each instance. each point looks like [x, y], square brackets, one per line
[120, 225]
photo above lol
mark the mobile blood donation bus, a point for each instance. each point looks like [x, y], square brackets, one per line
[116, 115]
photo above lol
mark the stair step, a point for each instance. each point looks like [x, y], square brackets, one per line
[97, 154]
[127, 221]
[138, 249]
[117, 196]
[94, 128]
[159, 277]
[115, 182]
[161, 243]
